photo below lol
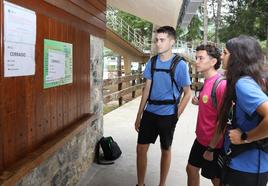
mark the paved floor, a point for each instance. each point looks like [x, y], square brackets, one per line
[120, 125]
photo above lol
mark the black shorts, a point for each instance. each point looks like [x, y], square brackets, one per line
[153, 125]
[238, 178]
[209, 169]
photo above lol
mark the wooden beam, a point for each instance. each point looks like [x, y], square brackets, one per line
[197, 75]
[118, 94]
[117, 80]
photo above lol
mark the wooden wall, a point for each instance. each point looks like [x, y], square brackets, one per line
[29, 114]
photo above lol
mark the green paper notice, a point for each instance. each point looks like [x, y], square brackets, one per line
[58, 63]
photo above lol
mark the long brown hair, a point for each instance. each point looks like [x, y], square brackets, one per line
[246, 59]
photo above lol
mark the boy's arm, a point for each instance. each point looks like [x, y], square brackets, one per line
[145, 94]
[185, 99]
[208, 154]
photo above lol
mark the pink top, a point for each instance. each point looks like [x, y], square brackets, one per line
[207, 114]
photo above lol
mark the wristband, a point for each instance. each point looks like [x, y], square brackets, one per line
[210, 149]
[244, 137]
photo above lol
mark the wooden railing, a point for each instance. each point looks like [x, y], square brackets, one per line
[196, 78]
[116, 88]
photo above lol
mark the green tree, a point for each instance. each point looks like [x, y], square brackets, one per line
[142, 26]
[195, 31]
[246, 17]
[217, 21]
[205, 21]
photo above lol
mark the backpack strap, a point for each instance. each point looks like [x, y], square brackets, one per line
[173, 66]
[153, 65]
[213, 92]
[176, 59]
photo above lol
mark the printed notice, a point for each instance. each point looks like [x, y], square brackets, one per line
[19, 59]
[19, 24]
[56, 66]
[19, 40]
[58, 63]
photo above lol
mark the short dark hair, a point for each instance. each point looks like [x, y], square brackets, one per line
[212, 51]
[170, 31]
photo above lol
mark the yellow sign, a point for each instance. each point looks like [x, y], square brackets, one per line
[205, 99]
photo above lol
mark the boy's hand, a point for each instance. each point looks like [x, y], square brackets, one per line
[208, 155]
[137, 124]
[195, 100]
[235, 136]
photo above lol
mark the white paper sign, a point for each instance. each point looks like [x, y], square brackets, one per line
[19, 59]
[56, 65]
[19, 24]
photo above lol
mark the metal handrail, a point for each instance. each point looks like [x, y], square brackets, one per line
[124, 30]
[140, 42]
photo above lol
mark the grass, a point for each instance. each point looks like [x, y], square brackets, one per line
[109, 107]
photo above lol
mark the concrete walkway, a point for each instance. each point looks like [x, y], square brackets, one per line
[120, 125]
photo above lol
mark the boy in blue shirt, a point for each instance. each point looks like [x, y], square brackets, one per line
[160, 106]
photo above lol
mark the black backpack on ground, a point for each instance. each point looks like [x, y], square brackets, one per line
[111, 151]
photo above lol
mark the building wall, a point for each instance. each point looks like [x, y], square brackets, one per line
[67, 165]
[31, 116]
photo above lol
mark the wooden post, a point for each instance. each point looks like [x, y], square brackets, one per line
[266, 43]
[196, 80]
[153, 45]
[139, 72]
[191, 71]
[119, 73]
[133, 92]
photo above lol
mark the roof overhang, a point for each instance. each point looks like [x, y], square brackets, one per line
[158, 12]
[172, 12]
[188, 10]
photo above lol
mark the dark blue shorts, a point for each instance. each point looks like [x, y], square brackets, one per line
[153, 125]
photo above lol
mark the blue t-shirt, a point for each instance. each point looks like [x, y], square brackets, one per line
[162, 87]
[249, 98]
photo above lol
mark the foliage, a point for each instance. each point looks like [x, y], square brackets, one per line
[246, 17]
[193, 32]
[144, 27]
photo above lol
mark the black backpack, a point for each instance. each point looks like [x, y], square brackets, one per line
[213, 92]
[111, 150]
[235, 150]
[175, 61]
